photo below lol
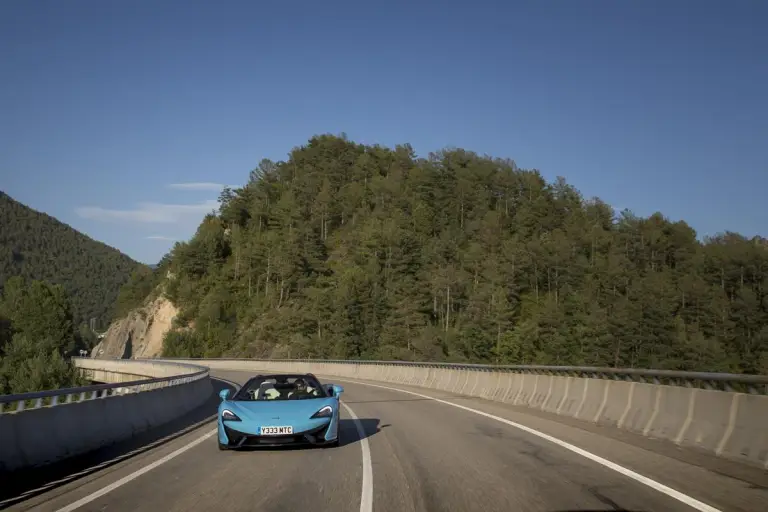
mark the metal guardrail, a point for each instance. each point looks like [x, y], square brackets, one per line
[733, 382]
[54, 397]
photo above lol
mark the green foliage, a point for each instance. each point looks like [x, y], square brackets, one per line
[36, 332]
[141, 285]
[352, 251]
[25, 368]
[37, 246]
[41, 312]
[182, 344]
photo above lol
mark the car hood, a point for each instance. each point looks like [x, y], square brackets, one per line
[287, 410]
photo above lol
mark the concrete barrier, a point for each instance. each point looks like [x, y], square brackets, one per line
[35, 437]
[746, 432]
[727, 424]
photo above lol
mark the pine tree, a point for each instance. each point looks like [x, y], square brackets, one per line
[352, 251]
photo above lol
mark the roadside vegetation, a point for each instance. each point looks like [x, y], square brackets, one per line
[352, 251]
[37, 334]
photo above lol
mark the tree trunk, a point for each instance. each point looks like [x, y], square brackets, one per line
[447, 307]
[498, 342]
[269, 268]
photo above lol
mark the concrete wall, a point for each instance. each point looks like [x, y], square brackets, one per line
[36, 437]
[731, 425]
[149, 368]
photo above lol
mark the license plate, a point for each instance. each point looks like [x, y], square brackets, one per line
[276, 431]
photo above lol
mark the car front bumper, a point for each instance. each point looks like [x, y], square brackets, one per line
[237, 439]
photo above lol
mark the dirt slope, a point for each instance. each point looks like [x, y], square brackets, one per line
[140, 334]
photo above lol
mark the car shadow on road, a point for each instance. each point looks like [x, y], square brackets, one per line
[348, 430]
[24, 483]
[348, 434]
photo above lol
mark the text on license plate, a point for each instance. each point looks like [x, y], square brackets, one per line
[276, 431]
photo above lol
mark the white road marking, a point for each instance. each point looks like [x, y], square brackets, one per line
[684, 498]
[111, 487]
[79, 503]
[106, 463]
[366, 496]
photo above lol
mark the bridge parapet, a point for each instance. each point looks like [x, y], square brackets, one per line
[42, 427]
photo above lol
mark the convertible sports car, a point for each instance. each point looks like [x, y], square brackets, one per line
[273, 410]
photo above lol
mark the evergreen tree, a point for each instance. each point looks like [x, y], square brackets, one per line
[35, 246]
[352, 251]
[36, 333]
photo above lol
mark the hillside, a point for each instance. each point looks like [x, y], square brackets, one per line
[36, 246]
[138, 334]
[352, 251]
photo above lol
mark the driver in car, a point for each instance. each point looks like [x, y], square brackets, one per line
[301, 389]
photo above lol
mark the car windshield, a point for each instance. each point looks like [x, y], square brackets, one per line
[281, 387]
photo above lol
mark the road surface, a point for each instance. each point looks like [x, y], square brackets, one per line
[417, 454]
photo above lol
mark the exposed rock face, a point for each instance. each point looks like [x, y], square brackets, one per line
[140, 334]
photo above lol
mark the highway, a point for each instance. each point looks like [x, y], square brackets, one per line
[419, 454]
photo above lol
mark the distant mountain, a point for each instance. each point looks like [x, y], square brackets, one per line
[37, 246]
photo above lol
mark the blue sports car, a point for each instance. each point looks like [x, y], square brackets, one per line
[274, 410]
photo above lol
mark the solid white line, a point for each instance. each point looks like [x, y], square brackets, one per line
[79, 503]
[101, 492]
[366, 496]
[684, 498]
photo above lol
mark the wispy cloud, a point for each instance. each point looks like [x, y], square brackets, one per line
[162, 237]
[152, 213]
[199, 186]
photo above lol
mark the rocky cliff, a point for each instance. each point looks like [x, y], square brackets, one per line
[140, 334]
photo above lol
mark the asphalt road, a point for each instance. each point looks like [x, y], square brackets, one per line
[416, 454]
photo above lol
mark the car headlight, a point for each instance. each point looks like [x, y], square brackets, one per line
[325, 412]
[228, 415]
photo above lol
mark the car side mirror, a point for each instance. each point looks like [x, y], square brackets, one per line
[337, 390]
[224, 393]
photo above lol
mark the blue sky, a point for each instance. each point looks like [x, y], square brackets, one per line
[115, 115]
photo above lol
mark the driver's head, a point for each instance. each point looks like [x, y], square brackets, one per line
[300, 384]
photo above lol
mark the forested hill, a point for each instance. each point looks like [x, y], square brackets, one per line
[353, 251]
[36, 246]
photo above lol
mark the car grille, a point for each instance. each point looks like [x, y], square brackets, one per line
[240, 439]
